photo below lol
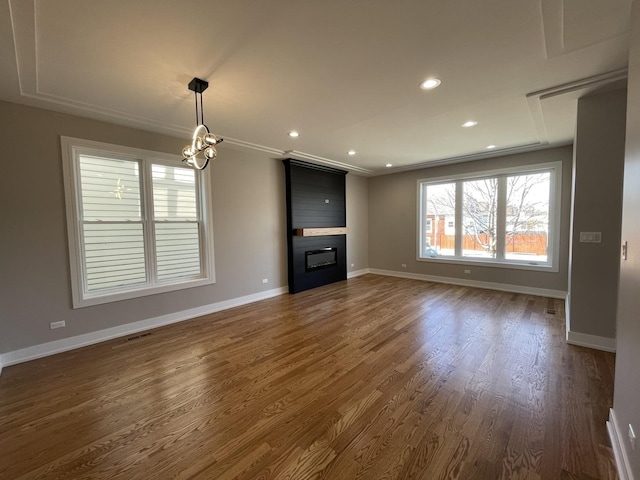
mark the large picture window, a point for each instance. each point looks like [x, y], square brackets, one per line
[508, 217]
[137, 222]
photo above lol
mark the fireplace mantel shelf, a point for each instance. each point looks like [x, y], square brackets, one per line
[317, 232]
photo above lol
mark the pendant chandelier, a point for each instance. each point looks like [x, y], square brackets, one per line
[203, 143]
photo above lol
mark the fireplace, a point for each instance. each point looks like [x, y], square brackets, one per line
[316, 225]
[318, 259]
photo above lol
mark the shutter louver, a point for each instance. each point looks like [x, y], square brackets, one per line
[113, 236]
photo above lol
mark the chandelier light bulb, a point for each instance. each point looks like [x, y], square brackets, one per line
[210, 139]
[210, 153]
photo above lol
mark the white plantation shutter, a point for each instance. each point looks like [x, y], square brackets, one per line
[177, 229]
[177, 250]
[137, 221]
[114, 254]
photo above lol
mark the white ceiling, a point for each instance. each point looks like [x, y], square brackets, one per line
[345, 74]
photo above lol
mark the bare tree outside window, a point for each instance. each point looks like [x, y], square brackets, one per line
[479, 210]
[526, 222]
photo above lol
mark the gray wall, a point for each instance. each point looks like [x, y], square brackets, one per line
[393, 215]
[249, 228]
[627, 382]
[597, 207]
[358, 223]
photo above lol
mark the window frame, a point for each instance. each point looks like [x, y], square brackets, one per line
[72, 148]
[555, 200]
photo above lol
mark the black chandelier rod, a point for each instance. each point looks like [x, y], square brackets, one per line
[198, 86]
[199, 110]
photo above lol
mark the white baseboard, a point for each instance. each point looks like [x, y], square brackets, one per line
[503, 287]
[567, 312]
[65, 344]
[357, 273]
[619, 453]
[591, 341]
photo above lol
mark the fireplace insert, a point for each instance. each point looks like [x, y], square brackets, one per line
[322, 258]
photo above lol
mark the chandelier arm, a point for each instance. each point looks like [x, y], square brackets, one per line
[197, 166]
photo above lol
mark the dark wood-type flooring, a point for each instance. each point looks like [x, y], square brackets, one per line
[372, 378]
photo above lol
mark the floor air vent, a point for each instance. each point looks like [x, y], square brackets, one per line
[137, 337]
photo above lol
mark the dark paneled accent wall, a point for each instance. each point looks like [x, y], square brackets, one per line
[315, 199]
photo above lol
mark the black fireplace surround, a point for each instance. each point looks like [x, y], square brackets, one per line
[315, 199]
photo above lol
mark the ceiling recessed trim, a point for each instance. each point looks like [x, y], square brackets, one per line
[535, 99]
[24, 41]
[24, 26]
[588, 82]
[561, 26]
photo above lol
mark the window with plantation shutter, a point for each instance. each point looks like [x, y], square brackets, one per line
[137, 221]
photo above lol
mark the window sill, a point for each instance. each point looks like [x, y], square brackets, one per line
[490, 263]
[89, 300]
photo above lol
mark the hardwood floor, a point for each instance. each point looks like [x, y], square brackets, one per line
[373, 378]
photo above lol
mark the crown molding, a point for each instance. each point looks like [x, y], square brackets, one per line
[502, 152]
[328, 162]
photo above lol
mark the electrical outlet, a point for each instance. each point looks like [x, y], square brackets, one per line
[60, 324]
[404, 265]
[353, 265]
[467, 272]
[265, 280]
[590, 237]
[632, 437]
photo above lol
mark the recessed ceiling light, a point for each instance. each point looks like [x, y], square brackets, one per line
[293, 134]
[389, 165]
[351, 152]
[470, 123]
[430, 83]
[491, 147]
